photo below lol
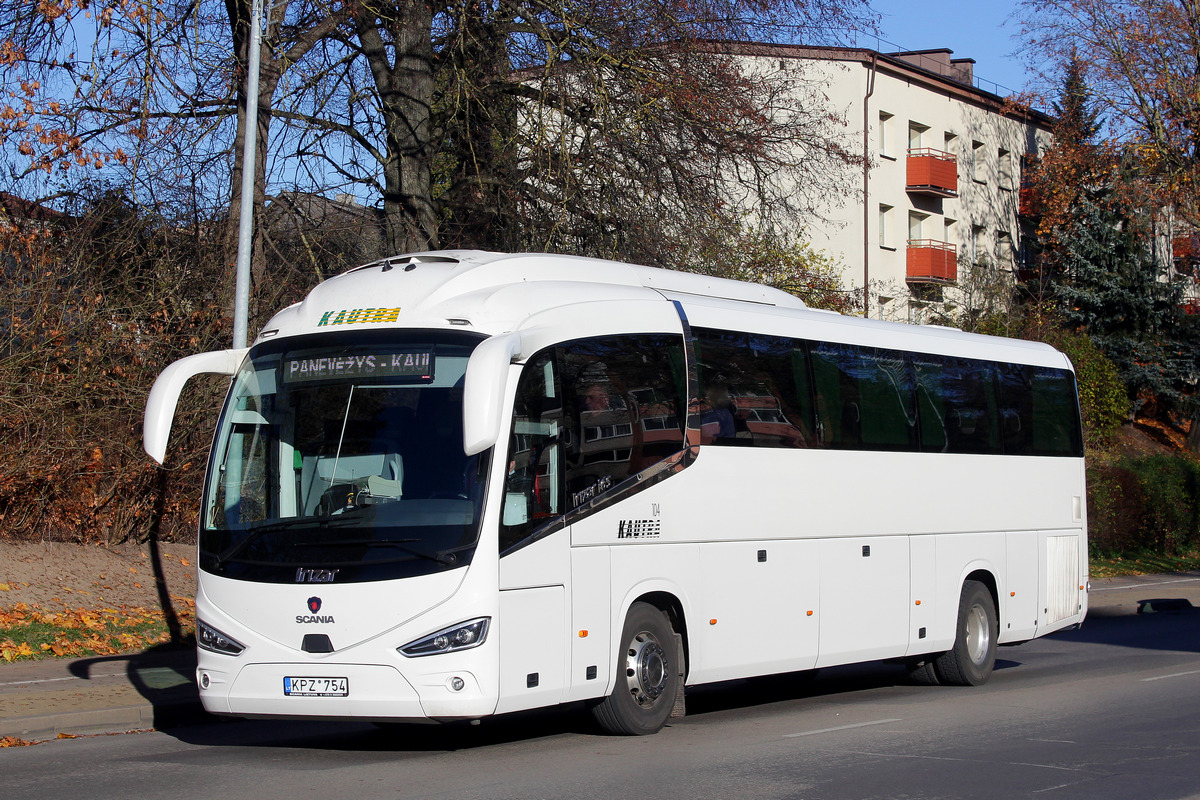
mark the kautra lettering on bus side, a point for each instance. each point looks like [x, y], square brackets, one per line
[639, 529]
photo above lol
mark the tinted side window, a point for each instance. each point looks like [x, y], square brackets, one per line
[957, 401]
[931, 403]
[1015, 403]
[533, 488]
[1055, 413]
[748, 391]
[864, 397]
[624, 413]
[835, 389]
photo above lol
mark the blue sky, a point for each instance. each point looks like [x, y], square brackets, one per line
[982, 31]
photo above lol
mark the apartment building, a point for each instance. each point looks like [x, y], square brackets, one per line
[939, 221]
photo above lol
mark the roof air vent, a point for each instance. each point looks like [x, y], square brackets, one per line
[408, 262]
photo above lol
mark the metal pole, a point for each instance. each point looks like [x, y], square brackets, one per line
[241, 292]
[866, 296]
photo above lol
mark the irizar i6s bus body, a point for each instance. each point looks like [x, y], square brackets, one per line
[456, 484]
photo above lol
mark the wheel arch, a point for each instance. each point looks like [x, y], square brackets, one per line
[671, 605]
[988, 579]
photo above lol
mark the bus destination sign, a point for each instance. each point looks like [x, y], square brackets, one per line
[387, 364]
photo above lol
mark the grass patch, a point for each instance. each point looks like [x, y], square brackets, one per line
[1141, 564]
[30, 633]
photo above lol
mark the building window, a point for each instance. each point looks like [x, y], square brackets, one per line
[978, 167]
[885, 227]
[885, 143]
[1004, 250]
[978, 244]
[950, 231]
[916, 134]
[916, 225]
[1005, 164]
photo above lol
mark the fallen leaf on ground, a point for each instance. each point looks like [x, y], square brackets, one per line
[13, 741]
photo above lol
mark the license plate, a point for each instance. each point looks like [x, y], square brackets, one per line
[316, 687]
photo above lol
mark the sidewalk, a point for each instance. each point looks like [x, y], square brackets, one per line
[157, 689]
[104, 694]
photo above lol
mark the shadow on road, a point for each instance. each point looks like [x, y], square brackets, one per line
[1177, 631]
[162, 675]
[1168, 630]
[391, 738]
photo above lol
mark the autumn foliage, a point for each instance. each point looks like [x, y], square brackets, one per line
[28, 632]
[95, 305]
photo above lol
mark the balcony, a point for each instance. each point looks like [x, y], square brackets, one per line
[1028, 204]
[931, 261]
[1185, 252]
[932, 172]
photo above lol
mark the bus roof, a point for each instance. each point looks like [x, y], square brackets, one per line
[493, 293]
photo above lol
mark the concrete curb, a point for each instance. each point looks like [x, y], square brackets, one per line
[118, 719]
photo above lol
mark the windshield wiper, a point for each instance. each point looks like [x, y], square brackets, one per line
[284, 525]
[441, 557]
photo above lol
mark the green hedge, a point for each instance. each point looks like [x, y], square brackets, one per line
[1103, 398]
[1147, 503]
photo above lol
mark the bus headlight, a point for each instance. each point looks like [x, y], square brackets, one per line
[463, 636]
[211, 639]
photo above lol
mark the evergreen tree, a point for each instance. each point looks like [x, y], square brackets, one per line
[1109, 286]
[1077, 118]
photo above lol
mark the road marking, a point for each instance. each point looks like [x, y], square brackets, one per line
[72, 678]
[1172, 675]
[1142, 585]
[841, 728]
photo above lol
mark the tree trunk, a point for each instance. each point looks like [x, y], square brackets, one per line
[406, 98]
[1193, 437]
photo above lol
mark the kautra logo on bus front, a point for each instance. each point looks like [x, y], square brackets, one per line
[350, 316]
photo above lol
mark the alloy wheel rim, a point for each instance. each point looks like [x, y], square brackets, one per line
[646, 669]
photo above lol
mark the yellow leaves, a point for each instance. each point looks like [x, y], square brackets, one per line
[10, 651]
[13, 741]
[31, 632]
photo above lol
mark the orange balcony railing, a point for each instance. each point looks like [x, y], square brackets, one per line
[931, 261]
[933, 172]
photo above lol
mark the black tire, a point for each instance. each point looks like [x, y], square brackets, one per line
[970, 661]
[647, 676]
[922, 672]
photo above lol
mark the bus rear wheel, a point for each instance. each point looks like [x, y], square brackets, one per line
[970, 661]
[647, 676]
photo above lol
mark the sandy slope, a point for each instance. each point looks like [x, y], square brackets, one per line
[54, 575]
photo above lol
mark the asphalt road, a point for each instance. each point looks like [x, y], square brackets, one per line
[1108, 711]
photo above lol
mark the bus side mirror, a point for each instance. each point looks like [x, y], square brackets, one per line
[483, 391]
[164, 395]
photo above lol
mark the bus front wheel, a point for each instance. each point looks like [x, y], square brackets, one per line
[970, 661]
[647, 676]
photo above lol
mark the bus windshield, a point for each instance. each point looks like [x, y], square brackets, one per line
[340, 457]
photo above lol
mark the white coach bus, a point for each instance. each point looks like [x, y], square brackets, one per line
[456, 484]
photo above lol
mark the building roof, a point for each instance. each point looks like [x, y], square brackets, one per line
[934, 68]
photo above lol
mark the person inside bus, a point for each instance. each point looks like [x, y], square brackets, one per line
[595, 398]
[716, 413]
